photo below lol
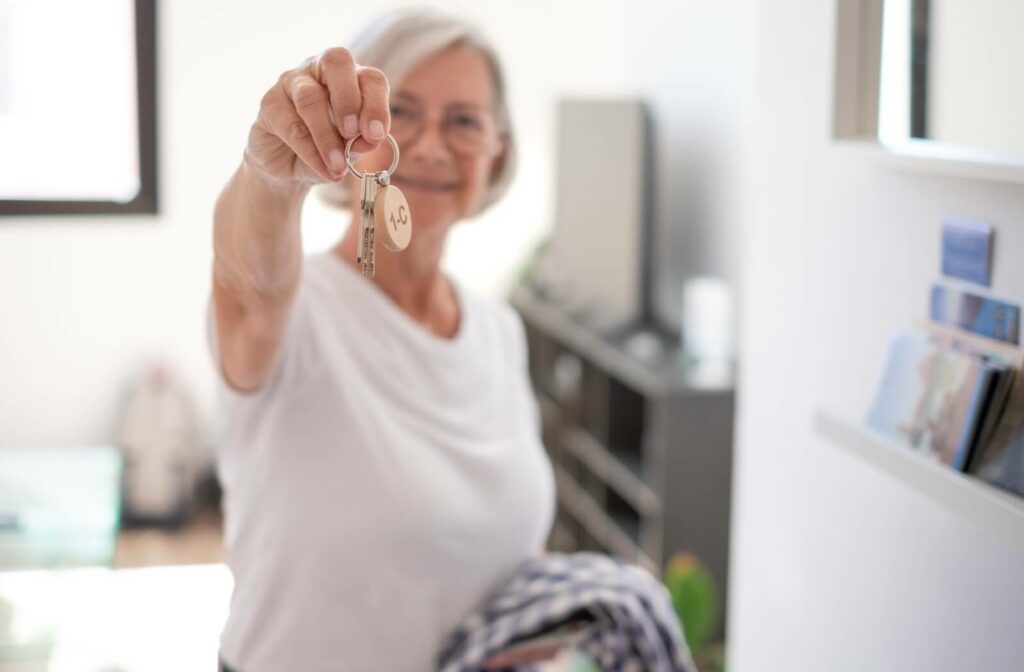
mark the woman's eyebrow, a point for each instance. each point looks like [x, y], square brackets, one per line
[471, 106]
[453, 105]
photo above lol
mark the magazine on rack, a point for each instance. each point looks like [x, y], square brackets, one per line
[934, 396]
[998, 456]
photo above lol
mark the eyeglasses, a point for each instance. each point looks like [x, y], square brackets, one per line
[465, 129]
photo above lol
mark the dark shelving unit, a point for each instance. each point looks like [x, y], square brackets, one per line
[642, 455]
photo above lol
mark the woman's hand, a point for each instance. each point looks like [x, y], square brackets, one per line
[522, 657]
[308, 115]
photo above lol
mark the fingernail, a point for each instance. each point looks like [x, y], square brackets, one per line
[337, 160]
[350, 126]
[376, 130]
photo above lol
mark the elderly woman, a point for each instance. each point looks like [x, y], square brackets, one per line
[382, 467]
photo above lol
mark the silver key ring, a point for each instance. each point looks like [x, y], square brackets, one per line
[394, 161]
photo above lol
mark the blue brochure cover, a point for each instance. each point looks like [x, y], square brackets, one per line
[967, 250]
[981, 315]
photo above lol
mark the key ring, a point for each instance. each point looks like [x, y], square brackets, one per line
[394, 150]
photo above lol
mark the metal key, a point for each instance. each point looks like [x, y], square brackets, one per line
[367, 224]
[371, 185]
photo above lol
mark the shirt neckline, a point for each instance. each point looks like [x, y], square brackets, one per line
[395, 312]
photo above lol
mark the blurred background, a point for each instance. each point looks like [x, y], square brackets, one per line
[722, 212]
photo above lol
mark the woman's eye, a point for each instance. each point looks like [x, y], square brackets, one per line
[401, 111]
[468, 121]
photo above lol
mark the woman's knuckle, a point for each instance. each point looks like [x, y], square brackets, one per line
[338, 57]
[285, 76]
[308, 95]
[326, 139]
[267, 101]
[374, 76]
[298, 131]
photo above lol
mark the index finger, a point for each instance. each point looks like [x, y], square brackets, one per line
[336, 69]
[375, 116]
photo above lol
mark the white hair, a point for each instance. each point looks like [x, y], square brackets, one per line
[400, 40]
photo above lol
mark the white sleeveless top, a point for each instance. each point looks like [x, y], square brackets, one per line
[380, 484]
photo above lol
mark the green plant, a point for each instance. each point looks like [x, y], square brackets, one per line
[694, 597]
[530, 267]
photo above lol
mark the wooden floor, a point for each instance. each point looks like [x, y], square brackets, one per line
[201, 541]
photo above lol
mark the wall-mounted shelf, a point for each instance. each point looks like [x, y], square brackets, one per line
[983, 505]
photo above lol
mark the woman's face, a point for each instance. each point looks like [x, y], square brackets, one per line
[444, 121]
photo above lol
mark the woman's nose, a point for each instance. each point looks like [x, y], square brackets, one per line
[430, 145]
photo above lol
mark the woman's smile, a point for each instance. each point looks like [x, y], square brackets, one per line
[426, 184]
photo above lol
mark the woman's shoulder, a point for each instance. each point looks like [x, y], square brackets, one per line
[496, 315]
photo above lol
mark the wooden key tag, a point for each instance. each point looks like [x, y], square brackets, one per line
[394, 222]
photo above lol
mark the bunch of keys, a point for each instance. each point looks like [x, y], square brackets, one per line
[383, 208]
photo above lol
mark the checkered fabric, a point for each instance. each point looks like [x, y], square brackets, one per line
[634, 629]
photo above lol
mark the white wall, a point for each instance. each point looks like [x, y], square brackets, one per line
[692, 60]
[84, 300]
[836, 566]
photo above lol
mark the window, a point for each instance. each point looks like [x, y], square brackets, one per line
[77, 107]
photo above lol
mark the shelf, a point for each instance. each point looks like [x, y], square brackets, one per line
[626, 529]
[632, 436]
[1001, 513]
[621, 472]
[569, 495]
[548, 407]
[561, 537]
[657, 376]
[597, 523]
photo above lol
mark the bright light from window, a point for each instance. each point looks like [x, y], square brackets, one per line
[894, 87]
[68, 100]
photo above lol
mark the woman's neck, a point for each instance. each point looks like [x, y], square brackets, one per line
[413, 279]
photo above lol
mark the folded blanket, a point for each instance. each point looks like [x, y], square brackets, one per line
[634, 625]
